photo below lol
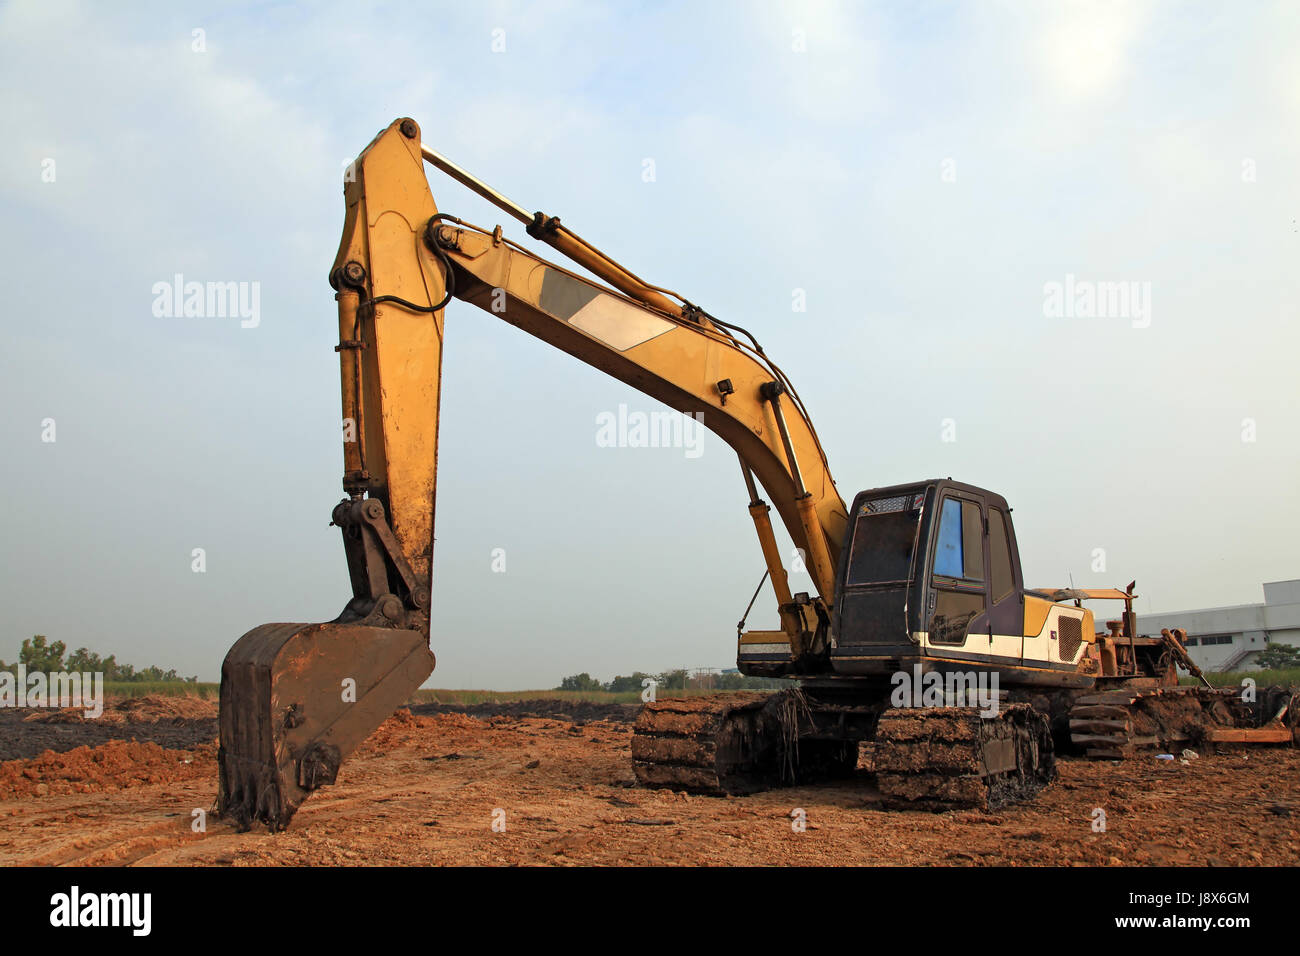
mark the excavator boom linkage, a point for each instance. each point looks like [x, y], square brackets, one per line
[296, 699]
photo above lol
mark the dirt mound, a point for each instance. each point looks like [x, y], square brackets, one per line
[150, 709]
[579, 711]
[111, 766]
[448, 723]
[156, 707]
[404, 727]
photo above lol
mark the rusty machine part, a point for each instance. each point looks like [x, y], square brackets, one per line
[1152, 713]
[1142, 717]
[1175, 642]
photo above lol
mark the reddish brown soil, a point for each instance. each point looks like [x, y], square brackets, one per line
[424, 788]
[150, 708]
[110, 766]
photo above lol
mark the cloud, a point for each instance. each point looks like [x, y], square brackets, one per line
[1084, 48]
[820, 58]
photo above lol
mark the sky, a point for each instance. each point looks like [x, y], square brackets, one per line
[942, 186]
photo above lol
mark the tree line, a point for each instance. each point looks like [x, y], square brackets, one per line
[39, 654]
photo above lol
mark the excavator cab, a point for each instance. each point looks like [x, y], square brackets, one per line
[928, 570]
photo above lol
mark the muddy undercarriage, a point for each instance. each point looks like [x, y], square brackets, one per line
[938, 758]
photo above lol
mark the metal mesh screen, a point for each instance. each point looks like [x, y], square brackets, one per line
[881, 506]
[1071, 636]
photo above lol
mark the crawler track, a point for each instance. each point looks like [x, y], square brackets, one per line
[725, 743]
[948, 758]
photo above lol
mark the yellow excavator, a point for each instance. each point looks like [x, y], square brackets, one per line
[915, 583]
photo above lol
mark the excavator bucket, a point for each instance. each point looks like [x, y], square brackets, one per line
[298, 698]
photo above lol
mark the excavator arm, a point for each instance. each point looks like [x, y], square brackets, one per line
[296, 698]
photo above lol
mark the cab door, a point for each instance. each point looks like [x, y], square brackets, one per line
[1006, 596]
[957, 605]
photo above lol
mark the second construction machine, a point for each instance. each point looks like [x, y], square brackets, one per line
[920, 580]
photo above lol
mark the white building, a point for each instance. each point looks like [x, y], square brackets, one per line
[1228, 638]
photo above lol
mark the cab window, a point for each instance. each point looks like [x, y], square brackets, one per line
[959, 553]
[1002, 582]
[883, 539]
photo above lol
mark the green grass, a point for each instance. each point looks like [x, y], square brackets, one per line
[1289, 677]
[168, 688]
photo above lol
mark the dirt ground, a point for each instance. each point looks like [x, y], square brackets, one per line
[556, 779]
[176, 723]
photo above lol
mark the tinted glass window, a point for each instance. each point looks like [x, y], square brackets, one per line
[1000, 554]
[972, 540]
[953, 613]
[959, 552]
[883, 538]
[947, 555]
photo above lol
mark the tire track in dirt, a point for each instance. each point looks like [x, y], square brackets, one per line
[114, 849]
[62, 831]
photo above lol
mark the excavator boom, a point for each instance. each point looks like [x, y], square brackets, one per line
[297, 698]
